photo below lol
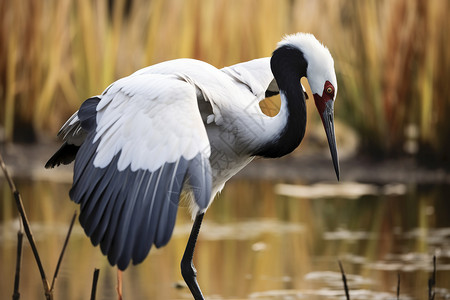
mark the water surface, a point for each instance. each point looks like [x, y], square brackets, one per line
[260, 240]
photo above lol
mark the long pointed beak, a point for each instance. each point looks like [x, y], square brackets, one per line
[328, 124]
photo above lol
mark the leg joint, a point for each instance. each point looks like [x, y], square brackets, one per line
[188, 270]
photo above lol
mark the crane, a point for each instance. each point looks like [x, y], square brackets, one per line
[184, 127]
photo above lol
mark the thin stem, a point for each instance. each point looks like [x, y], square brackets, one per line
[63, 250]
[16, 294]
[94, 283]
[8, 178]
[432, 281]
[27, 228]
[344, 279]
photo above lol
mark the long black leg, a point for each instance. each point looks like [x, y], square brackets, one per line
[187, 265]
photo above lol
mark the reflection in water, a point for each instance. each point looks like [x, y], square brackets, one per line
[257, 242]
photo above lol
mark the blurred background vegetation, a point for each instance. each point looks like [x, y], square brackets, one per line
[391, 57]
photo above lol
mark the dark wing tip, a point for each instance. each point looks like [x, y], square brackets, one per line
[50, 164]
[65, 155]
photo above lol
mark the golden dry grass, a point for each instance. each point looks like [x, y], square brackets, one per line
[391, 57]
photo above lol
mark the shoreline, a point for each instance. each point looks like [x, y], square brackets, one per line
[27, 162]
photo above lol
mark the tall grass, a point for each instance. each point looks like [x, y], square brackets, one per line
[391, 56]
[54, 54]
[394, 65]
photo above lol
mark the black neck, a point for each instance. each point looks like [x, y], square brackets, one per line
[288, 66]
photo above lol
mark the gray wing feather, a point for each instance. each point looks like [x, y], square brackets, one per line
[199, 176]
[108, 200]
[101, 192]
[169, 210]
[126, 212]
[87, 113]
[125, 224]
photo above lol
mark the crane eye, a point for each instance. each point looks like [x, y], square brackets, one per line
[329, 90]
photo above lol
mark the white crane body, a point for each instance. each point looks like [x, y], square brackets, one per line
[184, 124]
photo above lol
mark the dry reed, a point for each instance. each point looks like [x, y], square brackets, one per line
[25, 227]
[391, 56]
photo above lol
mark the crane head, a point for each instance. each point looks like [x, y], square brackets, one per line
[322, 80]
